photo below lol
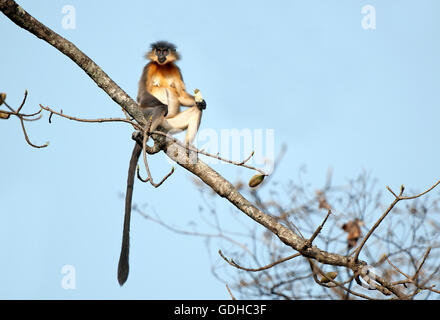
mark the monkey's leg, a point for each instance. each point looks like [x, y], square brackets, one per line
[123, 266]
[169, 97]
[157, 115]
[193, 125]
[189, 120]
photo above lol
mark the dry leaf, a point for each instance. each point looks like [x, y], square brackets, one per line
[354, 232]
[4, 115]
[332, 275]
[2, 98]
[322, 200]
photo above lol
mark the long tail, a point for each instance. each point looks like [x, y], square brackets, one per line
[123, 266]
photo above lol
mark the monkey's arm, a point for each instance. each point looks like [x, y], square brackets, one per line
[123, 266]
[188, 100]
[147, 100]
[150, 105]
[144, 98]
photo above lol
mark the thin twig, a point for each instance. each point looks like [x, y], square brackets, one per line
[234, 264]
[100, 120]
[397, 269]
[230, 293]
[414, 277]
[421, 194]
[8, 106]
[247, 159]
[358, 250]
[150, 178]
[23, 102]
[27, 138]
[317, 231]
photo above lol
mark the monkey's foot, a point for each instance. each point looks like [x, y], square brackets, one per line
[191, 154]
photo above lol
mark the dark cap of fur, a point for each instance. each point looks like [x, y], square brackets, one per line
[163, 44]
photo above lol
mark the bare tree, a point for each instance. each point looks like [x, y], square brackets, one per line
[346, 219]
[279, 230]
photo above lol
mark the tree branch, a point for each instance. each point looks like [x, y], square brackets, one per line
[24, 20]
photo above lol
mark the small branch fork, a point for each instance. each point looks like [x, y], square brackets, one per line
[22, 117]
[308, 244]
[397, 198]
[230, 293]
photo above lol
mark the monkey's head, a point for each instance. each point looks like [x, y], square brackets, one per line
[163, 52]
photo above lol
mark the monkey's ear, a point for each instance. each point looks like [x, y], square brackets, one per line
[173, 56]
[150, 55]
[176, 55]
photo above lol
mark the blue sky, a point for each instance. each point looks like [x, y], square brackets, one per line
[338, 95]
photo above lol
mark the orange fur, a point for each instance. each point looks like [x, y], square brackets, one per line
[165, 76]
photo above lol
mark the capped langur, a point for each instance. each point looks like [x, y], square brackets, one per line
[161, 94]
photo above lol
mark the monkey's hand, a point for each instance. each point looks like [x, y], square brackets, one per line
[201, 104]
[166, 110]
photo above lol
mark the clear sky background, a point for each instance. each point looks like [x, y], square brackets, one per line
[338, 95]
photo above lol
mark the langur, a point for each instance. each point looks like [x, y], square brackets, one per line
[160, 96]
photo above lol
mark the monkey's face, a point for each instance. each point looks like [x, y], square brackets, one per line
[162, 55]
